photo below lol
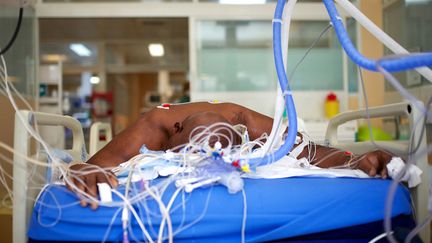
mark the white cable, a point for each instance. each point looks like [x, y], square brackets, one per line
[132, 210]
[2, 75]
[25, 157]
[379, 237]
[30, 130]
[190, 187]
[186, 181]
[106, 235]
[243, 231]
[125, 220]
[418, 228]
[164, 213]
[168, 208]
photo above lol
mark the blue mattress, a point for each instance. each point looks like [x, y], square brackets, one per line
[276, 209]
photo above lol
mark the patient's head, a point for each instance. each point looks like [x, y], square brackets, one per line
[194, 126]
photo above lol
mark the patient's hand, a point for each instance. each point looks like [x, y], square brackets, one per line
[374, 163]
[83, 178]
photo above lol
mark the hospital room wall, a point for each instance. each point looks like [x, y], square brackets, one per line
[372, 48]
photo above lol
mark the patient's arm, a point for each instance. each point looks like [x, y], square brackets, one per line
[123, 147]
[126, 144]
[372, 163]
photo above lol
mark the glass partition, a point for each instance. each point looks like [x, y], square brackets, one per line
[235, 56]
[238, 56]
[21, 66]
[20, 58]
[112, 1]
[250, 1]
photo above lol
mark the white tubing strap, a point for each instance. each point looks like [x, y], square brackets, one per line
[338, 18]
[300, 147]
[287, 93]
[280, 21]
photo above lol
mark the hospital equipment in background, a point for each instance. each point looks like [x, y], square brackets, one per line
[100, 135]
[51, 101]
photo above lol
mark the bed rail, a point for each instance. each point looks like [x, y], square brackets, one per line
[96, 142]
[24, 195]
[420, 193]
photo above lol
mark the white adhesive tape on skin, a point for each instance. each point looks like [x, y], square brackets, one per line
[412, 174]
[104, 192]
[300, 147]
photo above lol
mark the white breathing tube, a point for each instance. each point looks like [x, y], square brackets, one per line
[280, 100]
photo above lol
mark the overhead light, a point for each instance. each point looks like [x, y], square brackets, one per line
[242, 1]
[53, 58]
[94, 80]
[156, 50]
[80, 49]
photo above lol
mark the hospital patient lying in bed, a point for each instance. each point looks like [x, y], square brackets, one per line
[169, 126]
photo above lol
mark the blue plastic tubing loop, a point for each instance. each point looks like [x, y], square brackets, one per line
[283, 80]
[392, 65]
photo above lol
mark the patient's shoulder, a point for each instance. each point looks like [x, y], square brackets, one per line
[235, 113]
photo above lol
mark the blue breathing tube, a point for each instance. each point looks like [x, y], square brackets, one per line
[391, 65]
[286, 90]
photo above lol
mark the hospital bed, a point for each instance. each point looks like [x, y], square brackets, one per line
[292, 208]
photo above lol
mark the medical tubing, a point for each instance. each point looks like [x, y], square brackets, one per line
[417, 229]
[309, 50]
[280, 101]
[135, 214]
[407, 96]
[34, 133]
[15, 34]
[393, 187]
[394, 65]
[110, 225]
[379, 34]
[243, 230]
[277, 120]
[398, 86]
[200, 217]
[392, 191]
[164, 219]
[283, 81]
